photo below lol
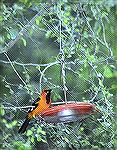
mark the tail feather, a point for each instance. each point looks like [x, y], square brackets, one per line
[24, 126]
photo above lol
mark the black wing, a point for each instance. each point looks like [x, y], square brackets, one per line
[35, 103]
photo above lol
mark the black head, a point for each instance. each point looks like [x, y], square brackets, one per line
[48, 94]
[48, 91]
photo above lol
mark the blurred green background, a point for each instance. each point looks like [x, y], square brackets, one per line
[32, 36]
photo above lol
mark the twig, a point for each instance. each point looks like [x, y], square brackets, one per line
[31, 64]
[21, 33]
[15, 69]
[63, 63]
[58, 103]
[42, 73]
[95, 95]
[23, 107]
[104, 34]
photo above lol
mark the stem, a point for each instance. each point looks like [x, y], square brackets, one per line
[42, 73]
[15, 69]
[63, 62]
[23, 107]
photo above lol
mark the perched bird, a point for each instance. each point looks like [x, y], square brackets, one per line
[40, 104]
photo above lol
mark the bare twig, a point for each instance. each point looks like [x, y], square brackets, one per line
[104, 34]
[22, 32]
[31, 64]
[42, 73]
[63, 62]
[15, 69]
[23, 107]
[95, 95]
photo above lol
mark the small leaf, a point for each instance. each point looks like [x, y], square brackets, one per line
[8, 125]
[38, 20]
[81, 129]
[4, 121]
[1, 18]
[24, 1]
[65, 21]
[107, 72]
[32, 139]
[39, 130]
[29, 132]
[8, 36]
[101, 83]
[91, 58]
[14, 123]
[2, 112]
[24, 41]
[39, 138]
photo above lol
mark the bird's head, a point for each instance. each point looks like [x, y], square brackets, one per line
[46, 93]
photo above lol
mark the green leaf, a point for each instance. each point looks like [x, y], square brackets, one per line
[24, 41]
[65, 21]
[38, 20]
[82, 129]
[23, 1]
[2, 112]
[101, 83]
[9, 126]
[107, 72]
[32, 139]
[1, 18]
[14, 123]
[8, 36]
[4, 121]
[39, 138]
[91, 58]
[29, 132]
[39, 130]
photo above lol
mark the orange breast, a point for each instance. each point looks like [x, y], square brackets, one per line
[42, 106]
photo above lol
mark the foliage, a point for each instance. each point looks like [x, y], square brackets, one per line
[69, 47]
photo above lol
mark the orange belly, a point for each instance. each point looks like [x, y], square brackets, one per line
[37, 111]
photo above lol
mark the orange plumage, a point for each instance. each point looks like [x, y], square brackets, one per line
[41, 104]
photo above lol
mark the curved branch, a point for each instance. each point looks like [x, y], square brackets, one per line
[42, 73]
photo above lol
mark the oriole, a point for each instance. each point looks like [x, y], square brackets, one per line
[40, 104]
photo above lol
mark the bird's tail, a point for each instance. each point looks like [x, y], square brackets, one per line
[24, 125]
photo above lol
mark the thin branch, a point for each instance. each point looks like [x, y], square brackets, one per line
[63, 61]
[22, 32]
[31, 64]
[95, 95]
[23, 107]
[59, 103]
[104, 34]
[42, 73]
[15, 69]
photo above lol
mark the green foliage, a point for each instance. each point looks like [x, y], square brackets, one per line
[82, 29]
[2, 111]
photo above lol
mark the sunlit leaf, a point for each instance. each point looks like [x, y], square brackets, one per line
[107, 72]
[24, 41]
[38, 20]
[29, 132]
